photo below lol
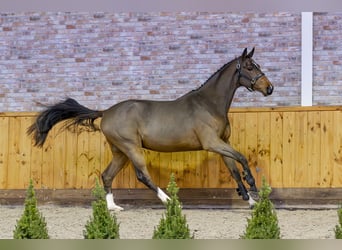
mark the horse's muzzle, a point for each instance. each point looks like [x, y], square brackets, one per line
[269, 90]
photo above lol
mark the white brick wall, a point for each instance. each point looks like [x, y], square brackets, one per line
[327, 59]
[103, 58]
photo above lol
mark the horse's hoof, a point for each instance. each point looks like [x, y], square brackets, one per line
[111, 204]
[254, 195]
[238, 191]
[115, 208]
[251, 201]
[245, 197]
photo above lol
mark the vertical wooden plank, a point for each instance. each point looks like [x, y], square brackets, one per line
[289, 148]
[264, 140]
[314, 149]
[214, 162]
[202, 169]
[59, 157]
[337, 150]
[94, 158]
[25, 152]
[300, 148]
[276, 150]
[165, 169]
[13, 170]
[177, 159]
[48, 161]
[251, 144]
[20, 150]
[238, 132]
[4, 151]
[327, 151]
[189, 170]
[82, 159]
[70, 160]
[36, 162]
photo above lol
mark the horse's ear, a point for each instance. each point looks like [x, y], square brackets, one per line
[244, 53]
[250, 54]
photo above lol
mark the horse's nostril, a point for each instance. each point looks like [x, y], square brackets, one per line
[270, 90]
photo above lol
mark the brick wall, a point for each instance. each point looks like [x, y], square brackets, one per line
[103, 58]
[327, 61]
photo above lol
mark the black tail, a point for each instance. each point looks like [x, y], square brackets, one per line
[70, 111]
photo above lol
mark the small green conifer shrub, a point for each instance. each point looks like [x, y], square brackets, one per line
[102, 225]
[264, 222]
[338, 228]
[32, 224]
[173, 224]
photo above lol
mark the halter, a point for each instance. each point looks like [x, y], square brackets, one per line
[253, 80]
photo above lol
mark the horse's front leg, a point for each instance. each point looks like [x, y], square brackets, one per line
[230, 155]
[249, 196]
[247, 174]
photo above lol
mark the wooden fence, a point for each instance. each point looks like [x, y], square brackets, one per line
[294, 147]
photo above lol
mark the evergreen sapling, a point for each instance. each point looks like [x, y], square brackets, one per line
[173, 224]
[32, 224]
[264, 222]
[338, 228]
[102, 225]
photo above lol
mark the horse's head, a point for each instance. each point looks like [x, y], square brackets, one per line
[251, 76]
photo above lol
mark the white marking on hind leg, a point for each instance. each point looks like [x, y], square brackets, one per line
[162, 196]
[251, 201]
[111, 204]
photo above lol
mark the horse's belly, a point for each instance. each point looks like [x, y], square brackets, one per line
[174, 144]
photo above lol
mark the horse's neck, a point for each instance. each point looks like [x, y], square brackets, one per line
[220, 89]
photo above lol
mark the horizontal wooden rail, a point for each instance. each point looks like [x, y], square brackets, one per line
[293, 147]
[306, 198]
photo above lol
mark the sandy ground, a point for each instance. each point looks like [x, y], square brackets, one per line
[138, 223]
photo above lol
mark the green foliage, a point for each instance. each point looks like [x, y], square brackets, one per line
[173, 224]
[338, 228]
[32, 224]
[264, 221]
[102, 225]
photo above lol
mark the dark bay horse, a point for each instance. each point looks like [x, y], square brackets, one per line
[195, 121]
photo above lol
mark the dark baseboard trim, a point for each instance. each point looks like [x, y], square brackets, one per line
[214, 198]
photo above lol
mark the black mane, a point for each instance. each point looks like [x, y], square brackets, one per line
[217, 72]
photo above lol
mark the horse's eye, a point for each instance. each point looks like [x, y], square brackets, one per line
[249, 65]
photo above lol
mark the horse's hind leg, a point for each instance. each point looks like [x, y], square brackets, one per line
[118, 162]
[135, 154]
[231, 165]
